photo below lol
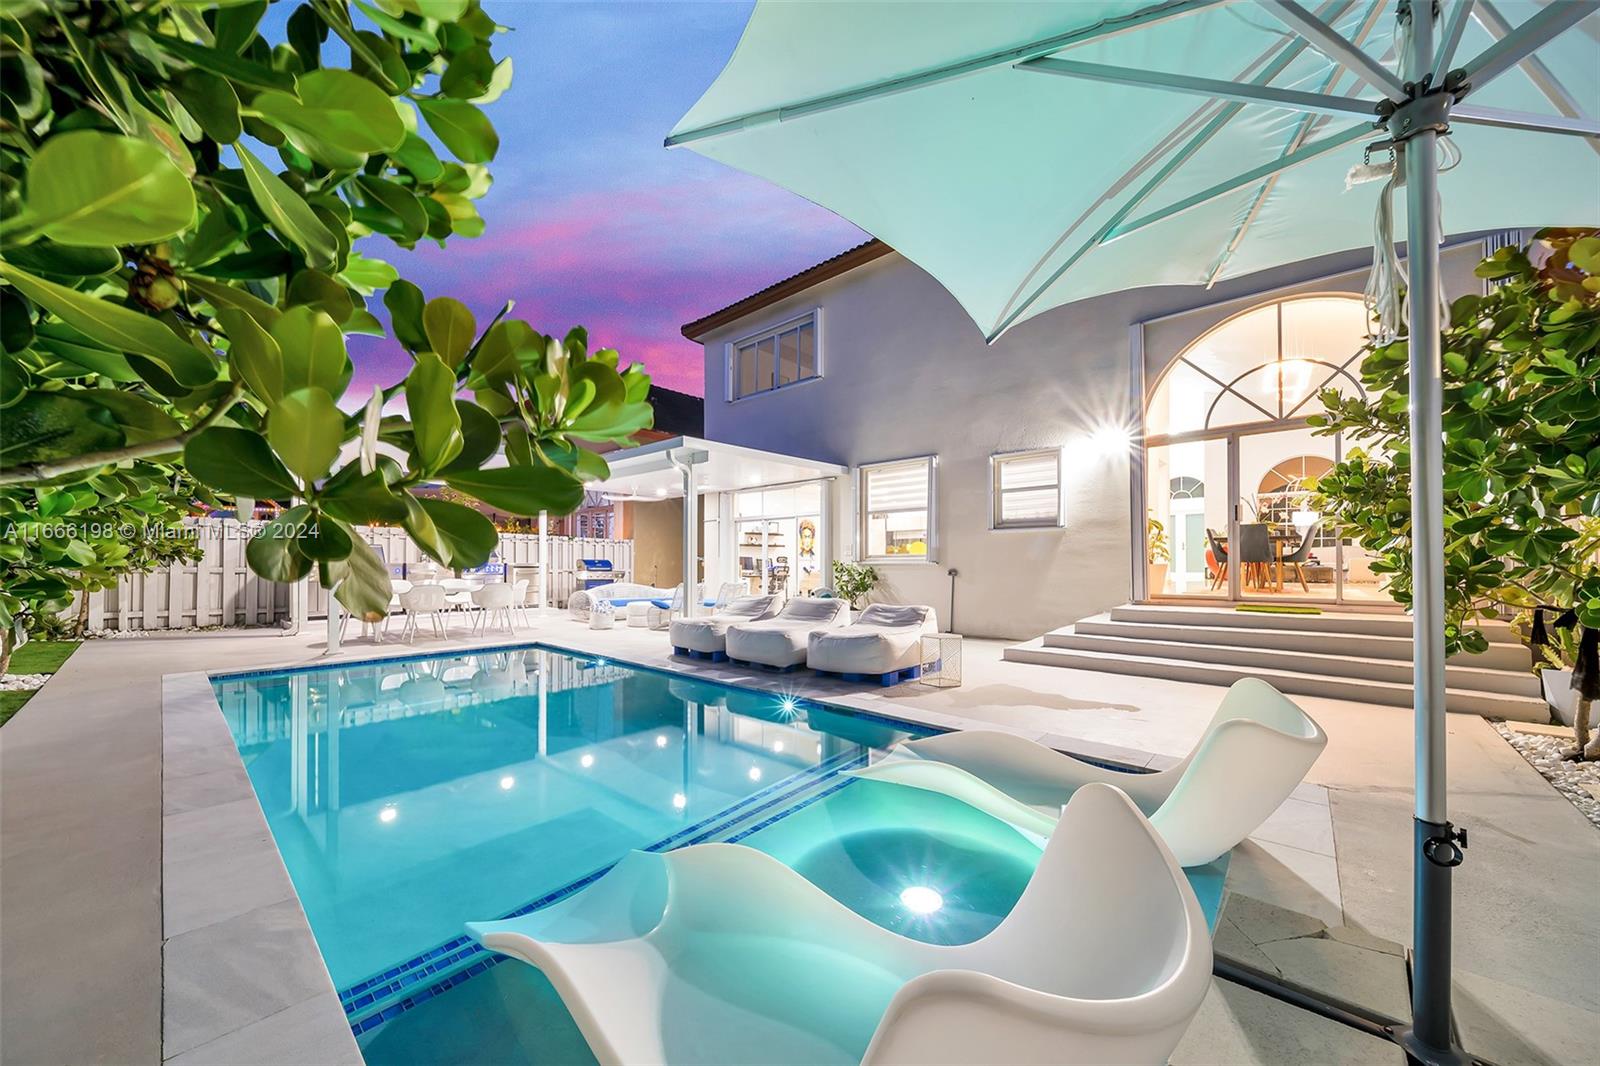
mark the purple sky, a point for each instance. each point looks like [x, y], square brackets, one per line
[591, 221]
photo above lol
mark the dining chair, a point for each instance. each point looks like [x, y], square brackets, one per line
[424, 599]
[1298, 557]
[494, 601]
[1220, 552]
[1255, 551]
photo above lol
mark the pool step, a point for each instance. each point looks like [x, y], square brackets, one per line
[1365, 657]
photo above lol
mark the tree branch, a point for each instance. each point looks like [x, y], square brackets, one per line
[30, 472]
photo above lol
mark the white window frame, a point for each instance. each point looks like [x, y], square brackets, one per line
[862, 513]
[996, 460]
[730, 355]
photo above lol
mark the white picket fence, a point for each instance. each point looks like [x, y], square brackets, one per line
[220, 590]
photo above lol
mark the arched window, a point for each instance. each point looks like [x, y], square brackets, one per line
[1265, 365]
[1187, 488]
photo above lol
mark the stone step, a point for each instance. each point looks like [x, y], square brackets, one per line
[1369, 623]
[1499, 656]
[1395, 671]
[1290, 682]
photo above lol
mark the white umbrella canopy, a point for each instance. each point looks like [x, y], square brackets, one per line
[1031, 154]
[916, 122]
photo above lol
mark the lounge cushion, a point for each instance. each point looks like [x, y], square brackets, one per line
[708, 634]
[886, 637]
[781, 641]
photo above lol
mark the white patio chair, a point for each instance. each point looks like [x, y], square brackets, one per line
[659, 617]
[727, 592]
[519, 602]
[493, 601]
[781, 641]
[424, 599]
[720, 953]
[1258, 747]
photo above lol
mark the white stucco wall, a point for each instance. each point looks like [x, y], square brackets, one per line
[906, 373]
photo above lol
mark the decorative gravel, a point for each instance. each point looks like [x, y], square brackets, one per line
[22, 682]
[1578, 782]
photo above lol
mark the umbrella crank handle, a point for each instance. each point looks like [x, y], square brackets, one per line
[1447, 848]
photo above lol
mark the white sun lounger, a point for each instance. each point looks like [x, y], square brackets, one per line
[1258, 747]
[781, 641]
[705, 637]
[884, 644]
[718, 953]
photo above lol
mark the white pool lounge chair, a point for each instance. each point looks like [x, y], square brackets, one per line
[705, 637]
[781, 641]
[720, 953]
[884, 644]
[1258, 747]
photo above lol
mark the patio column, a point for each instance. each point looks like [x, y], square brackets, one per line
[691, 535]
[544, 560]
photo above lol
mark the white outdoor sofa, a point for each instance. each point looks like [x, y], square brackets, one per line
[721, 953]
[884, 645]
[620, 593]
[1257, 749]
[705, 637]
[781, 641]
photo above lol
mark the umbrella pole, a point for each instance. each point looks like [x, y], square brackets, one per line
[1429, 1039]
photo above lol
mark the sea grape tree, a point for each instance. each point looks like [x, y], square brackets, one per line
[183, 186]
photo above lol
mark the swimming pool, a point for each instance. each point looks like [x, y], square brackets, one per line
[410, 796]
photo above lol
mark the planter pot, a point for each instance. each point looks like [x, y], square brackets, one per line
[1157, 581]
[1560, 695]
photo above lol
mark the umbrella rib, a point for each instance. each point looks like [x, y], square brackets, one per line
[1331, 43]
[1518, 44]
[1111, 27]
[1541, 75]
[1454, 28]
[1293, 99]
[1309, 152]
[1474, 115]
[1278, 57]
[1308, 126]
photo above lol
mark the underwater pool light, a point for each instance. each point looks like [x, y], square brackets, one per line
[777, 746]
[388, 814]
[679, 801]
[920, 899]
[507, 783]
[755, 773]
[586, 762]
[661, 740]
[788, 705]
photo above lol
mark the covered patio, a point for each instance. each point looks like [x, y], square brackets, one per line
[751, 517]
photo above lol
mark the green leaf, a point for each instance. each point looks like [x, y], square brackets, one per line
[361, 583]
[464, 536]
[398, 202]
[210, 101]
[338, 108]
[253, 354]
[313, 288]
[405, 302]
[1585, 254]
[361, 498]
[221, 295]
[272, 552]
[141, 420]
[417, 156]
[243, 71]
[289, 214]
[48, 425]
[238, 462]
[325, 539]
[313, 351]
[464, 129]
[367, 276]
[468, 75]
[521, 490]
[480, 434]
[405, 31]
[62, 342]
[306, 429]
[45, 256]
[117, 327]
[450, 328]
[91, 189]
[430, 394]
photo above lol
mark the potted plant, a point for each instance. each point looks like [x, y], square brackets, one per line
[853, 581]
[1558, 656]
[1158, 554]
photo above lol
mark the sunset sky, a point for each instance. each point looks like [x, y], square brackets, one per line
[590, 220]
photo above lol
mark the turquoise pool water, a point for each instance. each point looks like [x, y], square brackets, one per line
[409, 797]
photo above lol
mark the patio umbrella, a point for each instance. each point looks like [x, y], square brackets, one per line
[1031, 154]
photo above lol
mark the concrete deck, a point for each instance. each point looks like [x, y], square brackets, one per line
[81, 849]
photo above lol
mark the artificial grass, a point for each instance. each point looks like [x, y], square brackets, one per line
[1276, 608]
[34, 657]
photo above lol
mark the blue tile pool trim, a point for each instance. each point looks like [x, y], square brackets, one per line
[370, 992]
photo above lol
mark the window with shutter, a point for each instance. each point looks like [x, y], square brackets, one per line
[1027, 489]
[896, 509]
